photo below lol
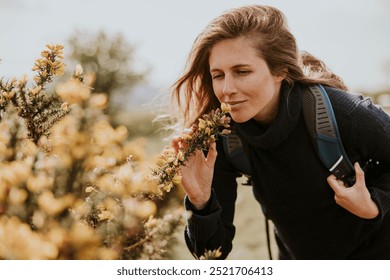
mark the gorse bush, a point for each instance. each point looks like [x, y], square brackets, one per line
[206, 131]
[71, 185]
[38, 110]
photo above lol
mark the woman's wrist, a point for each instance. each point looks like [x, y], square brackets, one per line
[199, 205]
[200, 202]
[373, 211]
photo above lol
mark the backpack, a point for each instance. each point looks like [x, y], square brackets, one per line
[322, 127]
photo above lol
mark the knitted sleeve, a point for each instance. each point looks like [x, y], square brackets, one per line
[365, 132]
[212, 228]
[371, 134]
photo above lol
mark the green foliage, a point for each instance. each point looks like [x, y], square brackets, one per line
[110, 58]
[140, 124]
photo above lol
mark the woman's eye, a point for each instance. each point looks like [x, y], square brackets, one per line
[216, 76]
[242, 72]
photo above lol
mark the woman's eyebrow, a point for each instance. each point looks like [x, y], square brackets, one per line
[232, 67]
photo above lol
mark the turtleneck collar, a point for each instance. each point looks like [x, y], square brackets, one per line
[286, 119]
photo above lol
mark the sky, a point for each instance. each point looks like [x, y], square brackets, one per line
[351, 36]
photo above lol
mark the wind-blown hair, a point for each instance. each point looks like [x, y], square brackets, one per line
[267, 27]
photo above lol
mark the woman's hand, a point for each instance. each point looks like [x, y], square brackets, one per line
[197, 173]
[356, 199]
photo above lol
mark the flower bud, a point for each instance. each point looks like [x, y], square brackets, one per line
[225, 108]
[78, 71]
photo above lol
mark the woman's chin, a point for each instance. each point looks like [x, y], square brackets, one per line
[238, 118]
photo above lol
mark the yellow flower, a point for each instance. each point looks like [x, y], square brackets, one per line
[160, 161]
[169, 170]
[168, 152]
[39, 183]
[17, 196]
[23, 81]
[145, 209]
[36, 67]
[225, 108]
[73, 92]
[59, 70]
[38, 219]
[41, 63]
[105, 215]
[180, 156]
[99, 101]
[45, 53]
[201, 124]
[82, 235]
[176, 180]
[37, 79]
[9, 94]
[120, 133]
[19, 241]
[168, 186]
[57, 48]
[170, 159]
[35, 90]
[186, 137]
[78, 71]
[53, 206]
[65, 106]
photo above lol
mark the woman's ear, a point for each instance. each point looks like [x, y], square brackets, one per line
[281, 75]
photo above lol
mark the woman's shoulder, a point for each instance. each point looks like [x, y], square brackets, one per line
[362, 110]
[345, 101]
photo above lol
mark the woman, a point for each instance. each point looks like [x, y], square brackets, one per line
[248, 59]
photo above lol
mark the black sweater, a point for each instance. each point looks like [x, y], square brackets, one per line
[290, 184]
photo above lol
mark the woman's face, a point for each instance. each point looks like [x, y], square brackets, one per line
[243, 80]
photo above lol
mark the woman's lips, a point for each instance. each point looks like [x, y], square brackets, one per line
[234, 103]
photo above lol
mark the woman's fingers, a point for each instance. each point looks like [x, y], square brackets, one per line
[356, 199]
[180, 141]
[175, 143]
[359, 174]
[340, 186]
[336, 184]
[212, 155]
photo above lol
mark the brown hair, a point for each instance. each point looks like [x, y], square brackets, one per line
[268, 28]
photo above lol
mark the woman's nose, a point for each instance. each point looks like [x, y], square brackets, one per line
[228, 86]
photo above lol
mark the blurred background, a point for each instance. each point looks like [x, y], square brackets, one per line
[137, 49]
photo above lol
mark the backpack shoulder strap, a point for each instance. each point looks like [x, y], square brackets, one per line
[236, 152]
[322, 126]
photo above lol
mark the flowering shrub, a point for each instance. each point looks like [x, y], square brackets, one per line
[205, 132]
[71, 185]
[40, 111]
